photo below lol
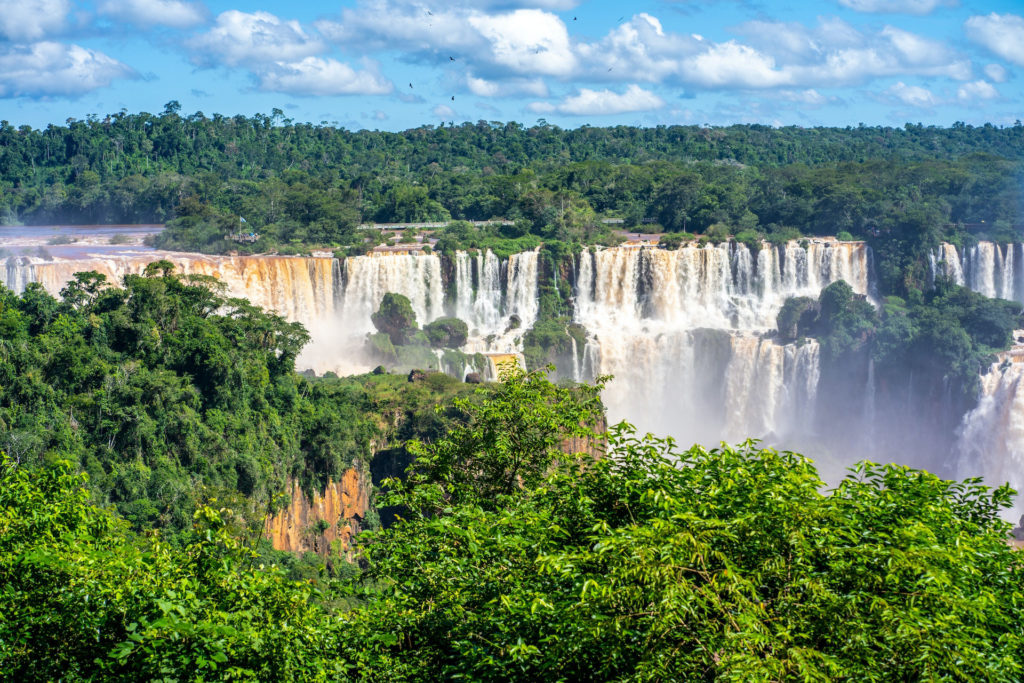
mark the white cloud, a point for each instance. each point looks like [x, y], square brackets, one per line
[915, 49]
[897, 6]
[977, 90]
[241, 38]
[912, 95]
[507, 87]
[527, 41]
[603, 102]
[444, 111]
[318, 76]
[773, 54]
[733, 65]
[996, 72]
[499, 52]
[639, 48]
[173, 13]
[53, 69]
[1003, 34]
[27, 20]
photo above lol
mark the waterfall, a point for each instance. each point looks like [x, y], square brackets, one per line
[522, 287]
[682, 333]
[333, 298]
[991, 436]
[991, 269]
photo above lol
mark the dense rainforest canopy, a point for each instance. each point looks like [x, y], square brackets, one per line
[303, 184]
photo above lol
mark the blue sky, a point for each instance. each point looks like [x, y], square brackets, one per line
[395, 64]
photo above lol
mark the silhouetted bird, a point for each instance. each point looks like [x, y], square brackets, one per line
[453, 98]
[410, 85]
[574, 18]
[451, 59]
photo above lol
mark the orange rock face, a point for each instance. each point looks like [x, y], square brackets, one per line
[315, 525]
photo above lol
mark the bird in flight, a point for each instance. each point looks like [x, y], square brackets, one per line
[410, 85]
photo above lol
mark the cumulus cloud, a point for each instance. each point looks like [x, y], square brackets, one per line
[514, 51]
[28, 20]
[912, 95]
[996, 72]
[515, 42]
[603, 102]
[918, 7]
[242, 38]
[772, 54]
[318, 76]
[527, 41]
[731, 64]
[507, 87]
[173, 13]
[977, 90]
[444, 111]
[1003, 34]
[49, 69]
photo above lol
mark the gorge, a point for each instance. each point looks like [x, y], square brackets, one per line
[689, 336]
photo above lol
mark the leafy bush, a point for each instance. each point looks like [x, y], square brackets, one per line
[718, 233]
[751, 239]
[448, 333]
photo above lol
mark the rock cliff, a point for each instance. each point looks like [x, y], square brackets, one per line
[327, 523]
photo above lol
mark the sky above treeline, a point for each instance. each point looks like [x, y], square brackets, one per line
[396, 64]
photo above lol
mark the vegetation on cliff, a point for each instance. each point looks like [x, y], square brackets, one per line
[168, 394]
[948, 333]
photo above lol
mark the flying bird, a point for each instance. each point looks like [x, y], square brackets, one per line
[410, 85]
[452, 59]
[453, 98]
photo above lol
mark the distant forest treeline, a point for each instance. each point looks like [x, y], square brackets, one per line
[301, 184]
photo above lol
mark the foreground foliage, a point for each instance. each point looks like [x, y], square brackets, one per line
[728, 564]
[515, 561]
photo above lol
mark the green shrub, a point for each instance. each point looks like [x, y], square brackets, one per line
[447, 333]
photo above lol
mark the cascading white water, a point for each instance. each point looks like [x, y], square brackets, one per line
[991, 436]
[333, 298]
[681, 331]
[992, 269]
